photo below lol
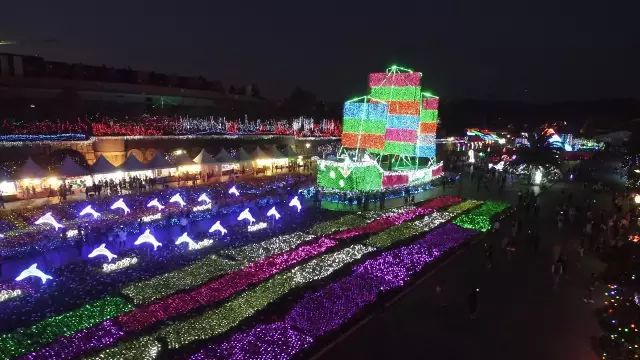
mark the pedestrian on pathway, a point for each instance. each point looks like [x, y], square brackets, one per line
[472, 301]
[572, 214]
[560, 221]
[488, 253]
[496, 226]
[441, 300]
[511, 249]
[535, 239]
[505, 241]
[591, 286]
[557, 271]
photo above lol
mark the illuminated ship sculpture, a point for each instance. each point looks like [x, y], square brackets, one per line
[388, 138]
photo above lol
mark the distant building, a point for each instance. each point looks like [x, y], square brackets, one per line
[33, 88]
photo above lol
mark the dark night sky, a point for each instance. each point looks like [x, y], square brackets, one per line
[538, 51]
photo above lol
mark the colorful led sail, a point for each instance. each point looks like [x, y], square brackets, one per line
[396, 118]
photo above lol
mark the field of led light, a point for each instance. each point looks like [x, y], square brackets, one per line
[310, 283]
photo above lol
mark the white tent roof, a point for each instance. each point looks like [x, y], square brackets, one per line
[70, 168]
[204, 158]
[102, 166]
[4, 176]
[258, 154]
[182, 159]
[242, 155]
[224, 157]
[30, 170]
[276, 154]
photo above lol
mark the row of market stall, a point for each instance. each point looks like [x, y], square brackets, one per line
[31, 178]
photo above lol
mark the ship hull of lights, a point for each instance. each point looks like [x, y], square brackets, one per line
[370, 177]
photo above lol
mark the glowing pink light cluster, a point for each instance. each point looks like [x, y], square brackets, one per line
[220, 288]
[386, 222]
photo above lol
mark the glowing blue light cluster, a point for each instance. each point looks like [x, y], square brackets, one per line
[36, 138]
[366, 110]
[403, 122]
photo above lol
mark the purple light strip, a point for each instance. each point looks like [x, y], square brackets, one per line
[80, 343]
[265, 341]
[322, 311]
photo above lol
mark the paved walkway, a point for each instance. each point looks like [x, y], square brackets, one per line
[520, 315]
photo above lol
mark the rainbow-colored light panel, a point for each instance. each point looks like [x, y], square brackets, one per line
[364, 124]
[426, 145]
[402, 93]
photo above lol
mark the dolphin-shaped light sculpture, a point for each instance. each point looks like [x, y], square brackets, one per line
[245, 214]
[295, 202]
[273, 212]
[234, 191]
[48, 219]
[33, 271]
[218, 227]
[102, 250]
[155, 203]
[177, 198]
[185, 238]
[120, 205]
[204, 198]
[89, 210]
[146, 237]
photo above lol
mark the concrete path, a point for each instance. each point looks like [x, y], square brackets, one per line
[520, 315]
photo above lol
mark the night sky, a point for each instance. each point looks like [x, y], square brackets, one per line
[538, 51]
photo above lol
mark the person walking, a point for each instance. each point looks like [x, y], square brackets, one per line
[560, 221]
[557, 270]
[472, 302]
[591, 286]
[511, 249]
[488, 253]
[535, 239]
